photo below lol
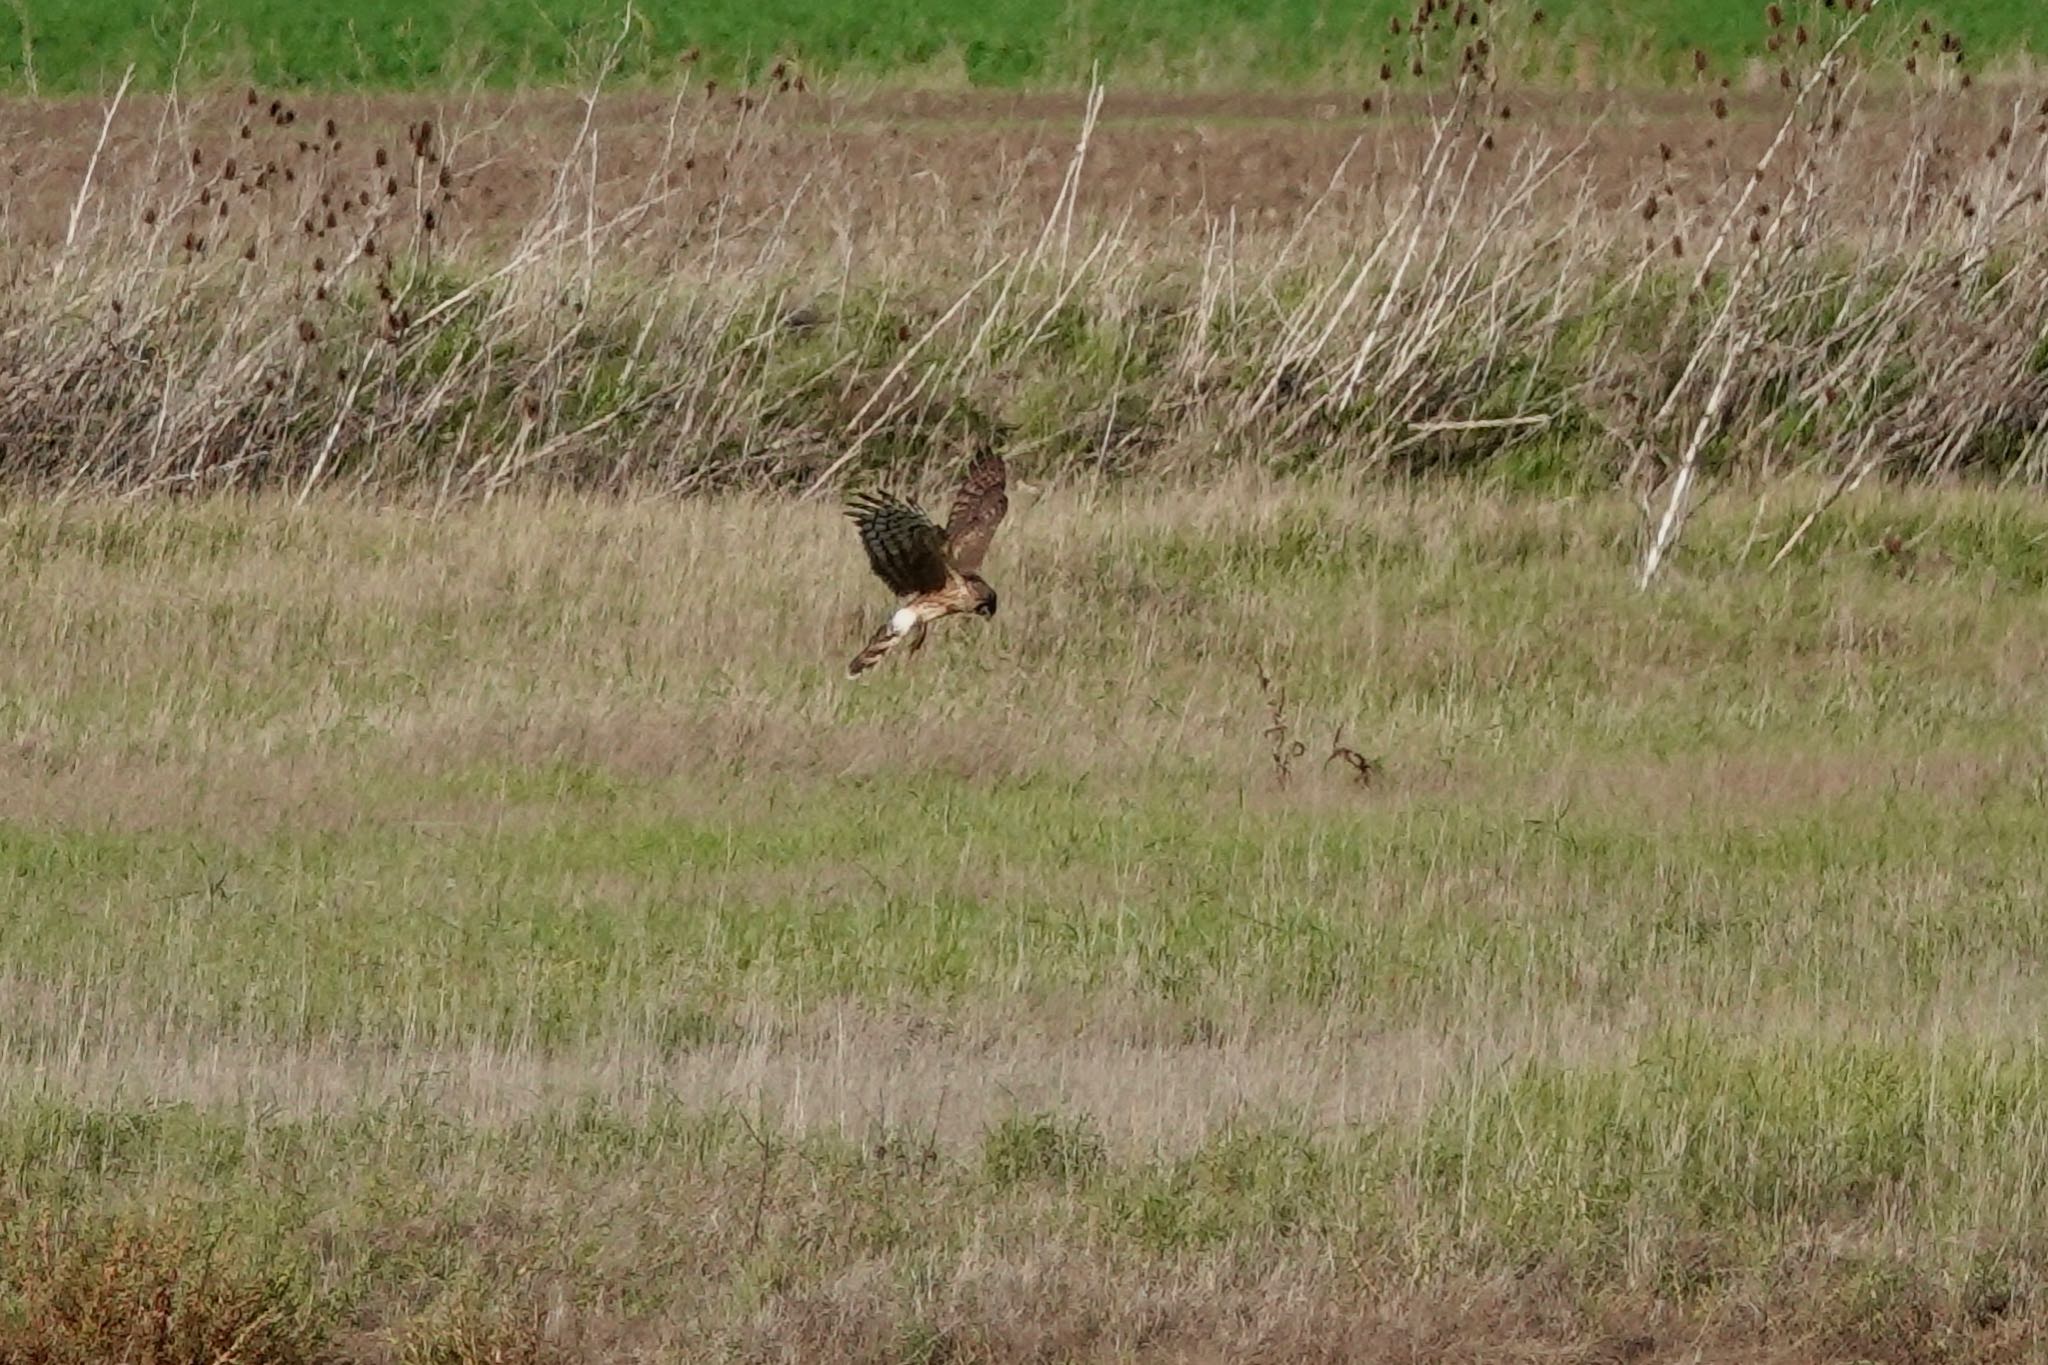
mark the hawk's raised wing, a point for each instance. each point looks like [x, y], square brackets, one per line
[905, 550]
[977, 510]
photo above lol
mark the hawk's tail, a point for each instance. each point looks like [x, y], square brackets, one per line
[879, 644]
[884, 640]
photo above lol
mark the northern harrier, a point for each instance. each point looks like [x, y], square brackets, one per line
[937, 573]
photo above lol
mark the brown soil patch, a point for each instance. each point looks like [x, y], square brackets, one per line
[859, 165]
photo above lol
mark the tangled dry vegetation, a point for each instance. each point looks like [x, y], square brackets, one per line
[1830, 261]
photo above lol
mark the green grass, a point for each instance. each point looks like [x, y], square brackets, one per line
[507, 936]
[384, 43]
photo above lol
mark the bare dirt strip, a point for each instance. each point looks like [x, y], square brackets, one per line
[861, 164]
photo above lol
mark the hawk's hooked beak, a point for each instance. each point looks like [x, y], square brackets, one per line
[987, 608]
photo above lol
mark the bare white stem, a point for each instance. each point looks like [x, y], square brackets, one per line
[93, 164]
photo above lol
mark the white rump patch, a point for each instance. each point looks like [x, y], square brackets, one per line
[902, 621]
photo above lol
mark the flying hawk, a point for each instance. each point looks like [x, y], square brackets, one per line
[937, 573]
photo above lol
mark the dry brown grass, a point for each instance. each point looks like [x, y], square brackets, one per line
[141, 1291]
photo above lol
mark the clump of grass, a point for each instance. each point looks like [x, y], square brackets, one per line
[465, 1334]
[1024, 1148]
[82, 1290]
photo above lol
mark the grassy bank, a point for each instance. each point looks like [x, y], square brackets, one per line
[383, 44]
[456, 300]
[510, 930]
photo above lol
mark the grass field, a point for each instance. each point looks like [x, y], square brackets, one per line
[508, 932]
[453, 907]
[60, 45]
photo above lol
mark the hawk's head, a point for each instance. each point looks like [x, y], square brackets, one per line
[984, 595]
